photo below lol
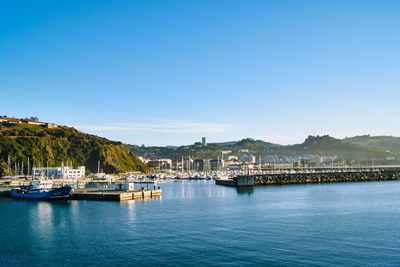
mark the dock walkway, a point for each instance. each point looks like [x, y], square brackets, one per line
[102, 194]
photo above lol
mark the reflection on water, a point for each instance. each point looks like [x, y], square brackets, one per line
[43, 216]
[246, 190]
[348, 224]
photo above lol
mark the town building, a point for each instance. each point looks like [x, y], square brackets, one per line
[248, 158]
[188, 164]
[217, 164]
[59, 172]
[160, 164]
[206, 165]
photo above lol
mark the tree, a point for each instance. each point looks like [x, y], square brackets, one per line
[34, 118]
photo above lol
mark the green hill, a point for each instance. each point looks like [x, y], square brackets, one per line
[387, 143]
[62, 144]
[211, 151]
[345, 150]
[329, 146]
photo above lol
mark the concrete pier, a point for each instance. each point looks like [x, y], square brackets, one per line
[112, 195]
[241, 180]
[102, 194]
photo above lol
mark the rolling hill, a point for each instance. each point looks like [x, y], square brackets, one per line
[62, 144]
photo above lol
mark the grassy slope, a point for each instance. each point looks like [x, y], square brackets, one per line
[20, 141]
[329, 146]
[387, 143]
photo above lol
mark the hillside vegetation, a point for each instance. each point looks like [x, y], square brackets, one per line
[387, 143]
[204, 152]
[63, 144]
[329, 146]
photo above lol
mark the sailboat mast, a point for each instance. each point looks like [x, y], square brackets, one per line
[28, 167]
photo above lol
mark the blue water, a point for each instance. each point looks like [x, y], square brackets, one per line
[199, 223]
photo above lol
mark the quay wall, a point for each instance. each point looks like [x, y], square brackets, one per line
[325, 177]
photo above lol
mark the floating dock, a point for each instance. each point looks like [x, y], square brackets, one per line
[107, 194]
[103, 194]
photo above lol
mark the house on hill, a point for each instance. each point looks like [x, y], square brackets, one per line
[32, 122]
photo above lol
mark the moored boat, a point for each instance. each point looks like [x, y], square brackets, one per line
[42, 189]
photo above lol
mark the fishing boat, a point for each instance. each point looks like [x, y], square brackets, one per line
[42, 189]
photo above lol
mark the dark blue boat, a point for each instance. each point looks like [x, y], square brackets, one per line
[42, 190]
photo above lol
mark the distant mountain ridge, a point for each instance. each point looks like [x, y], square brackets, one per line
[358, 148]
[246, 142]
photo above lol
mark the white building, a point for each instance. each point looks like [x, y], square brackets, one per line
[59, 172]
[204, 141]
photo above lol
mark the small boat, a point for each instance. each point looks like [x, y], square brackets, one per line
[42, 189]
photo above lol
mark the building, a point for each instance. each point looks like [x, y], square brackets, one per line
[160, 164]
[206, 165]
[204, 141]
[248, 158]
[9, 120]
[217, 164]
[32, 122]
[188, 164]
[59, 172]
[198, 165]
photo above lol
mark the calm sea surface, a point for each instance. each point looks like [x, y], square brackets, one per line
[199, 223]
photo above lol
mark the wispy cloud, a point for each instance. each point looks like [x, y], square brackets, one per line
[396, 119]
[163, 126]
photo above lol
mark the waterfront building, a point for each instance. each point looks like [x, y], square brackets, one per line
[248, 158]
[217, 164]
[160, 164]
[198, 165]
[59, 172]
[206, 165]
[188, 164]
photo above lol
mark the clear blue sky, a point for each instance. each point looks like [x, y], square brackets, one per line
[169, 72]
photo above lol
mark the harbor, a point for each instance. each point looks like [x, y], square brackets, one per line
[89, 189]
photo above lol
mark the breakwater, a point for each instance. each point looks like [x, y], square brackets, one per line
[326, 177]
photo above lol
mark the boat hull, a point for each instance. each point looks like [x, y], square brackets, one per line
[56, 193]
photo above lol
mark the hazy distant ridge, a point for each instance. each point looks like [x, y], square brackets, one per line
[358, 148]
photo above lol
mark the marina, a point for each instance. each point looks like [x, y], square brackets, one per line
[87, 191]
